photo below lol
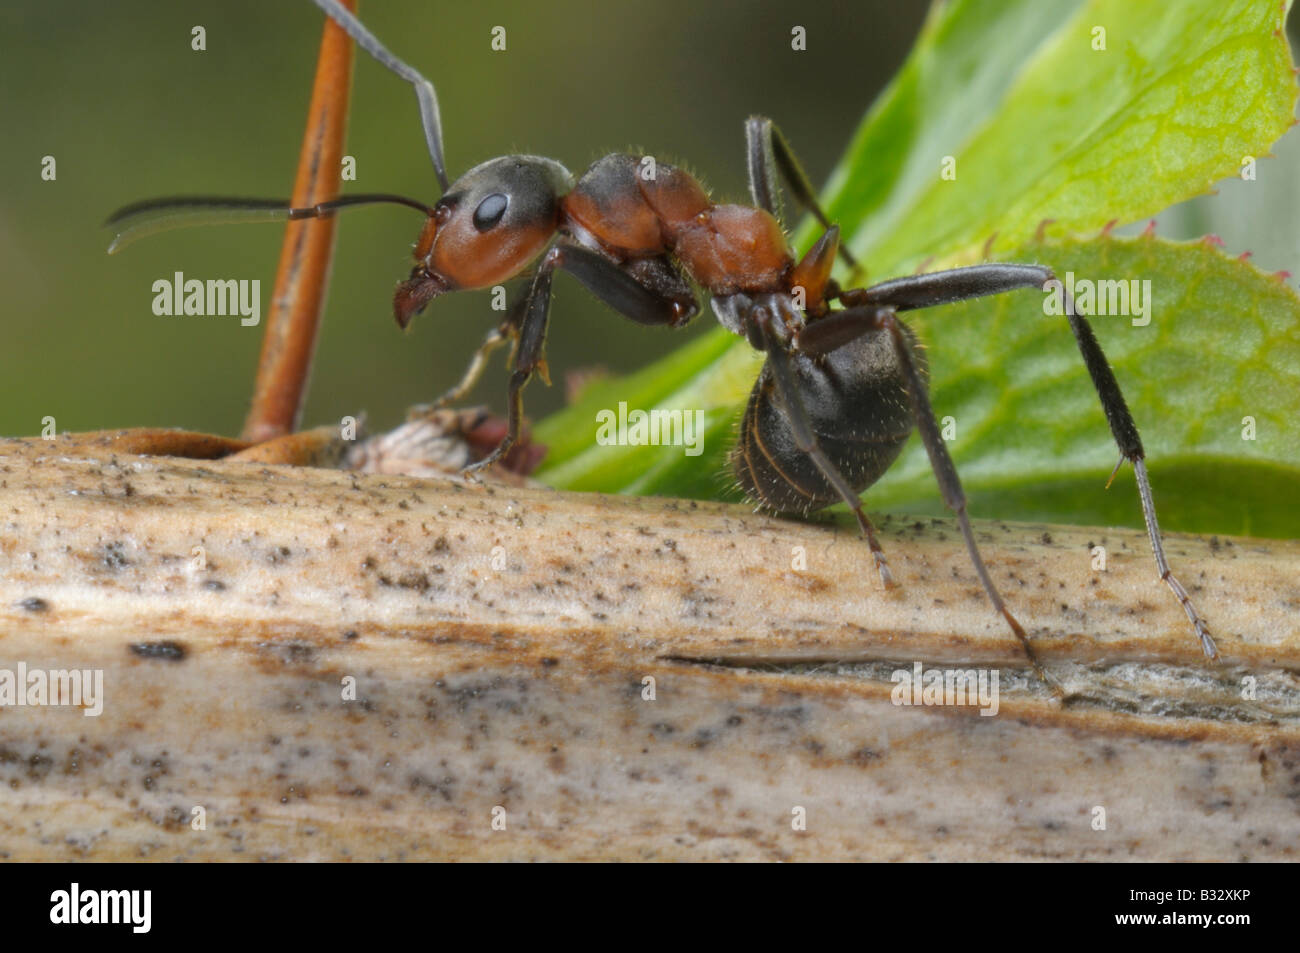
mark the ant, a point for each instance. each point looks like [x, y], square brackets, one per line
[841, 388]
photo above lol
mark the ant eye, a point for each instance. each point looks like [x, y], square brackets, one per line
[490, 210]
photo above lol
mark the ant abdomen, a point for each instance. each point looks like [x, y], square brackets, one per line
[857, 405]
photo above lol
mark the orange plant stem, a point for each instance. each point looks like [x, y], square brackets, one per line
[303, 275]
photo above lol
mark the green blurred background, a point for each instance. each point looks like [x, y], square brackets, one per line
[115, 93]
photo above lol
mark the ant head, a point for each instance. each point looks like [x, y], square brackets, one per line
[493, 221]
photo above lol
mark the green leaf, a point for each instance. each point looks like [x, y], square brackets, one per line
[1085, 137]
[1042, 126]
[966, 58]
[1255, 212]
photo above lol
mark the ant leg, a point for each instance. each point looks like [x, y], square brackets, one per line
[424, 91]
[671, 305]
[942, 287]
[495, 338]
[1124, 430]
[507, 330]
[767, 153]
[654, 295]
[945, 472]
[844, 326]
[805, 439]
[478, 363]
[528, 358]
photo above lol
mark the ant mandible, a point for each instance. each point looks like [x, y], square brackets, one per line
[841, 388]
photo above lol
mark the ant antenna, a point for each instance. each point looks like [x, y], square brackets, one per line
[152, 216]
[424, 91]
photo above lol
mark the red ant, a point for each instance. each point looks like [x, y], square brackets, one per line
[841, 388]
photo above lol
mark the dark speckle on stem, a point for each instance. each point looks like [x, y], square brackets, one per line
[167, 651]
